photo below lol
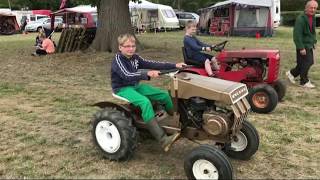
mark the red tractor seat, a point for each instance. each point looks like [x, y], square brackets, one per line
[189, 61]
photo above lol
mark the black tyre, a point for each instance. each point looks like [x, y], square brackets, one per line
[245, 144]
[281, 88]
[262, 98]
[207, 162]
[114, 134]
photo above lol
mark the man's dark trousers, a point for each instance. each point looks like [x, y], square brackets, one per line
[304, 62]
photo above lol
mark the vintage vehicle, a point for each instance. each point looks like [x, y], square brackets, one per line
[205, 109]
[257, 68]
[43, 23]
[184, 17]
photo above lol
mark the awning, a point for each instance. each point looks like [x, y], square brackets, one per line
[77, 9]
[263, 3]
[42, 12]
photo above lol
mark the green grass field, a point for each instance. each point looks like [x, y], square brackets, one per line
[45, 115]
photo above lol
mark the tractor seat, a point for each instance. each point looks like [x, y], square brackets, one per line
[120, 98]
[190, 61]
[160, 114]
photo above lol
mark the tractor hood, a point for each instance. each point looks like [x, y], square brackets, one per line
[249, 53]
[193, 85]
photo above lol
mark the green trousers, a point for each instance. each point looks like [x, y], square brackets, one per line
[141, 96]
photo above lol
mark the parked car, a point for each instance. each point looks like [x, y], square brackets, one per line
[184, 17]
[43, 23]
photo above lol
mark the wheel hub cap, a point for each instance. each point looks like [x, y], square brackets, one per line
[203, 169]
[239, 142]
[260, 100]
[108, 136]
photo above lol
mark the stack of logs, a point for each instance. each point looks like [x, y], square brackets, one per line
[74, 39]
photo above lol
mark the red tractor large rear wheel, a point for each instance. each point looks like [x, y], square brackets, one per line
[262, 98]
[281, 88]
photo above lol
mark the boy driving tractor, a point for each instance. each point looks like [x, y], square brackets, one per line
[125, 79]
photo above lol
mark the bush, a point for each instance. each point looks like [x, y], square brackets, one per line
[288, 17]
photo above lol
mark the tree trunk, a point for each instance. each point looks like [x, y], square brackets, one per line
[113, 20]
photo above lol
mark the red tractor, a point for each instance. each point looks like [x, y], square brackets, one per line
[258, 69]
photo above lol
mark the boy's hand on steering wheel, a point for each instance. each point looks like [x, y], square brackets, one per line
[180, 65]
[153, 73]
[208, 48]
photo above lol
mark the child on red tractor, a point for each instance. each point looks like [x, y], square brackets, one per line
[193, 48]
[257, 68]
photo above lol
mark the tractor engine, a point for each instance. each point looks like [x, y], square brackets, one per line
[254, 68]
[203, 114]
[195, 108]
[215, 123]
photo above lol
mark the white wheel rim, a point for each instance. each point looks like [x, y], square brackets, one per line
[108, 136]
[203, 169]
[240, 142]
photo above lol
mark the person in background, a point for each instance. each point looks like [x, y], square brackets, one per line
[194, 47]
[23, 24]
[47, 46]
[125, 78]
[38, 40]
[304, 37]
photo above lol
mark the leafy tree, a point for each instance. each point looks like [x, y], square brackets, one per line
[288, 5]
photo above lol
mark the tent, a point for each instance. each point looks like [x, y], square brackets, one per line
[8, 23]
[241, 18]
[83, 15]
[145, 14]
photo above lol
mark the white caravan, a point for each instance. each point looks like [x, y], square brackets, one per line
[276, 13]
[147, 15]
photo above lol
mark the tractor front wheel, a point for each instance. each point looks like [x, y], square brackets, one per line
[245, 143]
[207, 162]
[262, 98]
[114, 134]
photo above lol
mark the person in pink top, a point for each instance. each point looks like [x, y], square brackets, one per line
[47, 46]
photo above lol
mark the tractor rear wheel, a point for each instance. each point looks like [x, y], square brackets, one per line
[281, 88]
[207, 162]
[262, 98]
[245, 143]
[114, 134]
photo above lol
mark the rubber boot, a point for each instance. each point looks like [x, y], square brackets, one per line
[159, 134]
[170, 112]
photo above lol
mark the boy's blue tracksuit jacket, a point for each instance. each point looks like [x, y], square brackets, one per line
[124, 71]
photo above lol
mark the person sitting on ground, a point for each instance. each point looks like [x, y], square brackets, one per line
[194, 47]
[47, 46]
[38, 40]
[125, 77]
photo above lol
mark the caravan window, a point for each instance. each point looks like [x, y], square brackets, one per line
[252, 17]
[224, 12]
[168, 13]
[32, 18]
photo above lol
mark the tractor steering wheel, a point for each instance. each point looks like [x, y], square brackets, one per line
[163, 72]
[219, 47]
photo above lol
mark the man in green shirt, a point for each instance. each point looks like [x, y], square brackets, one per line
[304, 37]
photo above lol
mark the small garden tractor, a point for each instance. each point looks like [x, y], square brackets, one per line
[258, 69]
[205, 109]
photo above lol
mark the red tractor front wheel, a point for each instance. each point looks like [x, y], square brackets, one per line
[262, 98]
